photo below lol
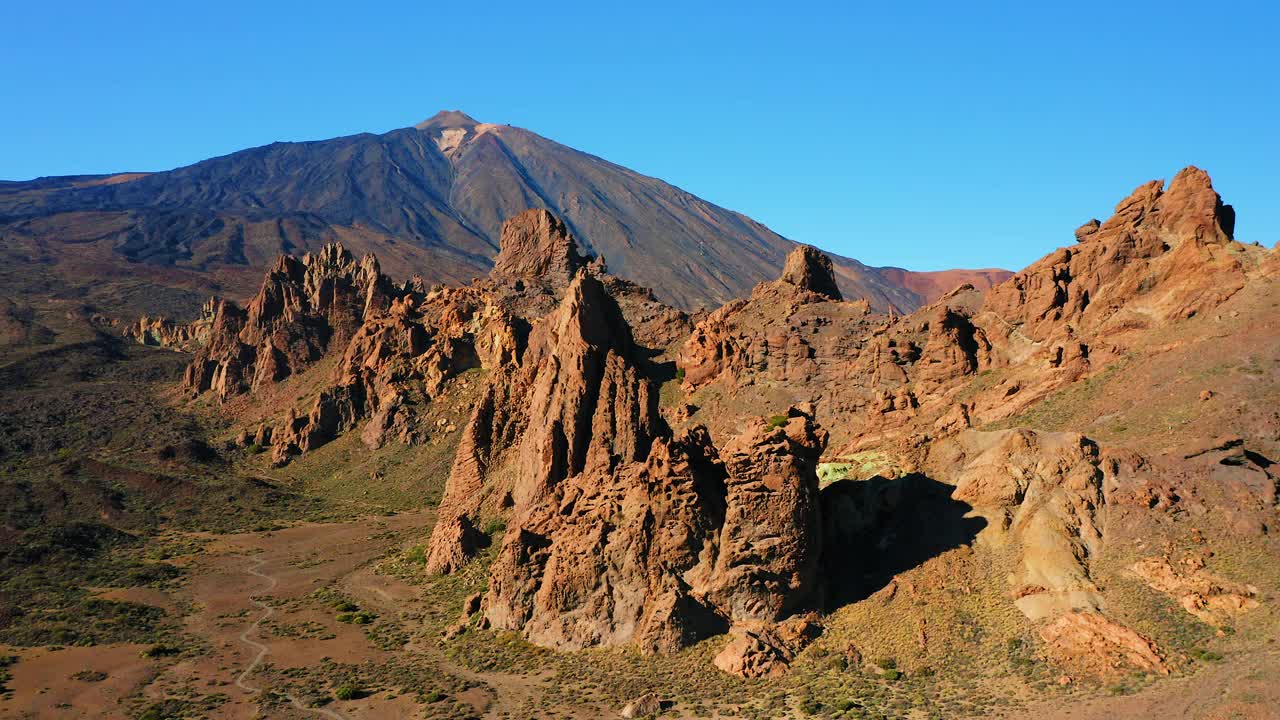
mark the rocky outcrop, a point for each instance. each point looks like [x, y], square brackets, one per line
[1096, 645]
[164, 332]
[1165, 254]
[664, 552]
[576, 401]
[304, 306]
[771, 333]
[809, 269]
[1210, 598]
[1042, 495]
[759, 650]
[770, 544]
[397, 348]
[619, 532]
[397, 363]
[537, 245]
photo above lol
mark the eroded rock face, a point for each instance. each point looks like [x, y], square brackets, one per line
[163, 332]
[304, 306]
[770, 543]
[1042, 493]
[810, 269]
[578, 400]
[398, 347]
[618, 531]
[1165, 254]
[878, 381]
[665, 552]
[1210, 598]
[771, 334]
[396, 363]
[758, 650]
[1098, 646]
[536, 244]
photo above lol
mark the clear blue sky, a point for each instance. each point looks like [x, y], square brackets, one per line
[943, 135]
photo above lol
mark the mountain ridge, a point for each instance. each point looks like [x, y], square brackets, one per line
[437, 192]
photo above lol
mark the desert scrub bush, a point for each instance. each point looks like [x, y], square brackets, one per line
[777, 421]
[164, 710]
[495, 526]
[6, 662]
[363, 617]
[345, 606]
[1205, 655]
[349, 692]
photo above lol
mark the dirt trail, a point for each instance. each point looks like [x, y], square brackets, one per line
[255, 568]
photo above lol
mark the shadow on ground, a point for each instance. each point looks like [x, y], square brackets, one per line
[877, 528]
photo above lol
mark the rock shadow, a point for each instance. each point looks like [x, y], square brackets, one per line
[874, 529]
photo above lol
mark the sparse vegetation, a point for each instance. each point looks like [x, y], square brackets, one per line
[349, 692]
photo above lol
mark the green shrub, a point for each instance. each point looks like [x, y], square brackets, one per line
[777, 421]
[1205, 655]
[364, 617]
[345, 606]
[495, 526]
[892, 675]
[349, 692]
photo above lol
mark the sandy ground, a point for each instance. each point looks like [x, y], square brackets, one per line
[1245, 687]
[290, 563]
[242, 585]
[44, 687]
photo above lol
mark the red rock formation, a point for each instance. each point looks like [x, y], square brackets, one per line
[1099, 646]
[809, 269]
[1166, 255]
[537, 245]
[758, 650]
[617, 531]
[1042, 494]
[163, 332]
[304, 306]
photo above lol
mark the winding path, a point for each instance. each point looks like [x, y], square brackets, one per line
[267, 611]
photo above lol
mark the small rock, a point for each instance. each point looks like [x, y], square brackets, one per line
[646, 705]
[1206, 395]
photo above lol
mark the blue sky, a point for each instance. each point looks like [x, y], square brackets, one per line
[925, 135]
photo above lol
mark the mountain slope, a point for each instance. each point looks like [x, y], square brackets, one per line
[429, 199]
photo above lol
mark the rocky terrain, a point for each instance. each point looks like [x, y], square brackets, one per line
[1055, 491]
[429, 200]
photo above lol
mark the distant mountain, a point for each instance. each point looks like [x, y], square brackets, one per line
[429, 199]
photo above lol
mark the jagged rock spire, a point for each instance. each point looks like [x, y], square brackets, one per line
[537, 245]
